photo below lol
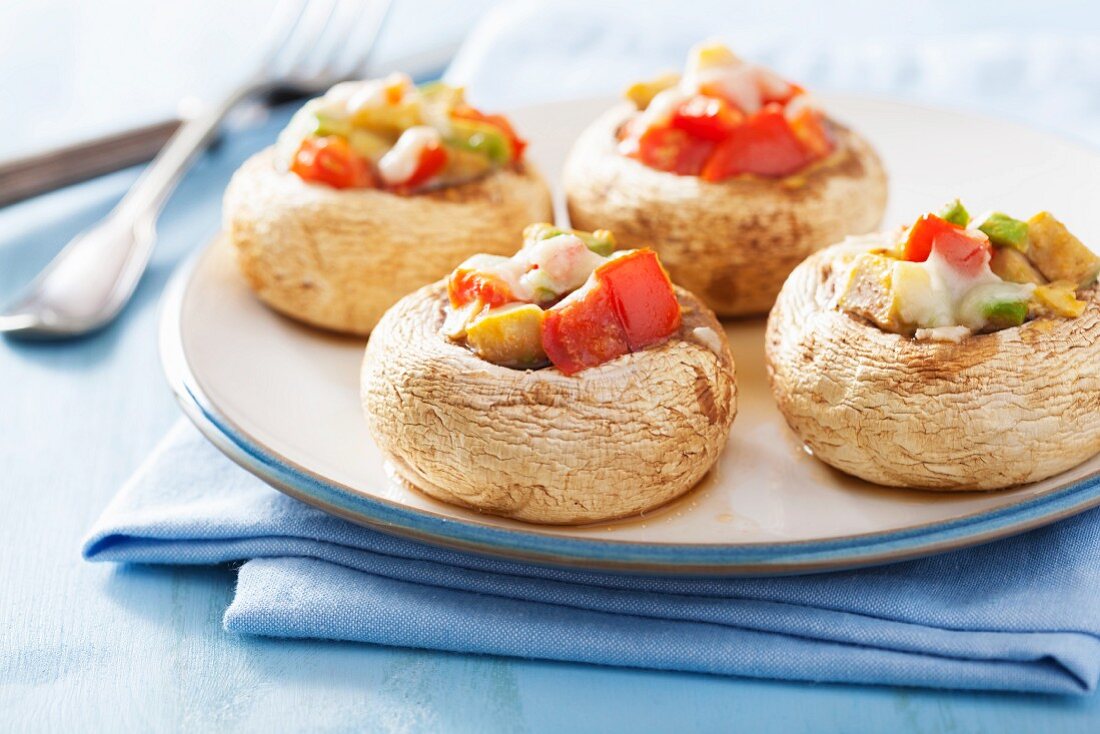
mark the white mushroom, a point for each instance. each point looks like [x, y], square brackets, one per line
[733, 242]
[536, 445]
[986, 412]
[339, 258]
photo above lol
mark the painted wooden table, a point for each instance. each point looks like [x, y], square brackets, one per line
[95, 647]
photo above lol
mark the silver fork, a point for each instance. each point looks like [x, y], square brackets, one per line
[314, 44]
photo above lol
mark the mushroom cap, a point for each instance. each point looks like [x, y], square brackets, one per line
[733, 242]
[537, 445]
[991, 411]
[339, 258]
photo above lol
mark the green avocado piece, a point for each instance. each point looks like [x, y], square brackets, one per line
[480, 138]
[1004, 231]
[600, 242]
[541, 231]
[367, 144]
[330, 125]
[1004, 314]
[956, 213]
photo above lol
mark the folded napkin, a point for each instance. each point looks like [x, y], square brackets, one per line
[1021, 614]
[1002, 58]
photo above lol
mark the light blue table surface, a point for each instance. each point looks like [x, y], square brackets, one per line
[93, 647]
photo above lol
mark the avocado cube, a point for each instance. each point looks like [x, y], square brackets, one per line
[956, 213]
[1004, 314]
[367, 144]
[1013, 266]
[1004, 231]
[541, 231]
[328, 124]
[1059, 255]
[601, 242]
[480, 137]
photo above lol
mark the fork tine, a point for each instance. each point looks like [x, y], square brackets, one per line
[315, 19]
[331, 45]
[369, 42]
[281, 29]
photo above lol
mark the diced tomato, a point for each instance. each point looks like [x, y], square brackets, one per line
[585, 332]
[466, 286]
[809, 127]
[793, 90]
[964, 249]
[331, 161]
[432, 160]
[709, 118]
[500, 122]
[918, 245]
[967, 250]
[642, 296]
[764, 144]
[673, 150]
[394, 93]
[628, 305]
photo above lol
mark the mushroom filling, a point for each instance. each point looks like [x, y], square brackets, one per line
[391, 134]
[948, 276]
[723, 118]
[566, 299]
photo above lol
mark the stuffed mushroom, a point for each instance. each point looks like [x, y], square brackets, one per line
[566, 384]
[372, 191]
[732, 174]
[956, 354]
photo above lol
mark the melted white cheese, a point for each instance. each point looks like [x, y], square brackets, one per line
[369, 94]
[943, 334]
[399, 163]
[558, 264]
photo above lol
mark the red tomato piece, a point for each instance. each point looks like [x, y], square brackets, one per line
[764, 144]
[330, 160]
[967, 250]
[584, 333]
[466, 286]
[709, 118]
[517, 144]
[642, 296]
[918, 245]
[673, 150]
[809, 127]
[432, 160]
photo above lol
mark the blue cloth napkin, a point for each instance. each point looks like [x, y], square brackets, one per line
[1021, 614]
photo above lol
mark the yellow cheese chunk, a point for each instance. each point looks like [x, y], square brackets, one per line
[1013, 266]
[509, 335]
[1058, 299]
[642, 93]
[1058, 254]
[869, 292]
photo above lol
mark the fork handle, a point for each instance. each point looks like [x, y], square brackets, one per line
[156, 183]
[90, 281]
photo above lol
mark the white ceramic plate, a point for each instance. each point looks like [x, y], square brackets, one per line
[282, 400]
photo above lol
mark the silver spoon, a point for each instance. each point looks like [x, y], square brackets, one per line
[313, 45]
